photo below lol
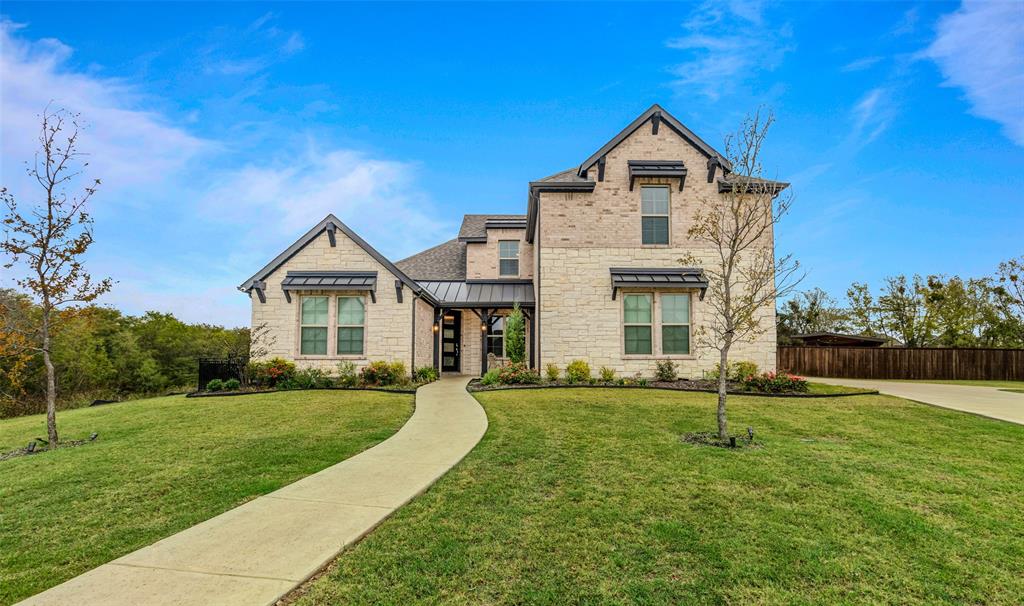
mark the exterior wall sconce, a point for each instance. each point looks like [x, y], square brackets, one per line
[435, 328]
[483, 327]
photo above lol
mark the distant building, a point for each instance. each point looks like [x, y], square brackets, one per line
[834, 339]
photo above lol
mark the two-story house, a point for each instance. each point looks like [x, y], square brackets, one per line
[593, 264]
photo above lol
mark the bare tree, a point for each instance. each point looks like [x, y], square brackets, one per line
[48, 239]
[744, 276]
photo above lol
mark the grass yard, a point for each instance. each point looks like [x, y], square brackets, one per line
[162, 465]
[828, 389]
[587, 496]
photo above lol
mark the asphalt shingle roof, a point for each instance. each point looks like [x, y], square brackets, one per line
[445, 261]
[475, 226]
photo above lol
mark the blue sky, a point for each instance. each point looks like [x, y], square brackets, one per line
[222, 132]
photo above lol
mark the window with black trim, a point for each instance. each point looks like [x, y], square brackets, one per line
[496, 338]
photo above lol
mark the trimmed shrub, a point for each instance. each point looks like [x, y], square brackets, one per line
[666, 370]
[426, 374]
[517, 374]
[552, 372]
[771, 382]
[380, 373]
[738, 371]
[348, 375]
[307, 378]
[607, 374]
[578, 371]
[232, 384]
[270, 372]
[215, 385]
[490, 378]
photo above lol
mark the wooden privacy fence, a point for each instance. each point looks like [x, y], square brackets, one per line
[903, 363]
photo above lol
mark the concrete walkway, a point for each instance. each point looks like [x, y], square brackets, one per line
[256, 553]
[984, 401]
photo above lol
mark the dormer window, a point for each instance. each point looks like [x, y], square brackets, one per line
[654, 215]
[508, 258]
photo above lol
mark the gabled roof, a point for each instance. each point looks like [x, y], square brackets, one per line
[446, 261]
[330, 223]
[655, 112]
[474, 227]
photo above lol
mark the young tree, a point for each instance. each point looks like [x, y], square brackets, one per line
[49, 238]
[515, 336]
[744, 276]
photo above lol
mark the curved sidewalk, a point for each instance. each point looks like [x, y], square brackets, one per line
[259, 551]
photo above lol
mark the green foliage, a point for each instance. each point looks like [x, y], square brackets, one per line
[215, 385]
[271, 373]
[607, 374]
[578, 371]
[307, 378]
[666, 370]
[771, 382]
[738, 371]
[380, 373]
[490, 377]
[515, 336]
[810, 311]
[232, 385]
[348, 375]
[426, 374]
[552, 372]
[517, 374]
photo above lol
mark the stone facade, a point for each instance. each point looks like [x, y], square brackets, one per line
[425, 335]
[482, 257]
[388, 333]
[583, 235]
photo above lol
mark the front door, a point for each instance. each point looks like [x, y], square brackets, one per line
[451, 341]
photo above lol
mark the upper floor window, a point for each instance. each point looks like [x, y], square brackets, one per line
[313, 333]
[654, 214]
[508, 257]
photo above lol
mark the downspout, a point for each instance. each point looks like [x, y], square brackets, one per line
[536, 313]
[412, 367]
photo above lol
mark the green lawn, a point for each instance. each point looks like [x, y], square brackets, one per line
[162, 465]
[826, 388]
[588, 496]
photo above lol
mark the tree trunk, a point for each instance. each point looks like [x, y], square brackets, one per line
[51, 386]
[723, 385]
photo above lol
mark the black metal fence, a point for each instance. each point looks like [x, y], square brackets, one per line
[221, 368]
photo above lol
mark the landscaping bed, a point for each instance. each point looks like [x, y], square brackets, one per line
[814, 390]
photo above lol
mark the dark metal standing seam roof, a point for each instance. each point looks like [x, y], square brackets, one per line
[656, 168]
[683, 277]
[485, 293]
[330, 280]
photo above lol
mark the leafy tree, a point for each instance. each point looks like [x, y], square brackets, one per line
[744, 277]
[515, 336]
[810, 311]
[48, 240]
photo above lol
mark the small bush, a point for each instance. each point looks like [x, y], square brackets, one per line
[232, 384]
[666, 370]
[771, 382]
[552, 372]
[636, 379]
[426, 374]
[517, 374]
[215, 385]
[578, 371]
[348, 375]
[270, 372]
[607, 374]
[738, 371]
[307, 378]
[381, 373]
[490, 378]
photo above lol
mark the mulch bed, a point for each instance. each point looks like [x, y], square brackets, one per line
[40, 448]
[700, 385]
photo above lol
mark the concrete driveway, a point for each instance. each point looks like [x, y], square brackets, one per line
[985, 401]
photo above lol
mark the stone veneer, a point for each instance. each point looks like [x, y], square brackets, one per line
[388, 333]
[583, 235]
[482, 257]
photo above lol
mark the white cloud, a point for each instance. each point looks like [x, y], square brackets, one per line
[861, 64]
[728, 44]
[871, 116]
[980, 49]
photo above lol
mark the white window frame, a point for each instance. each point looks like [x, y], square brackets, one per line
[662, 324]
[338, 326]
[303, 326]
[501, 258]
[667, 215]
[651, 325]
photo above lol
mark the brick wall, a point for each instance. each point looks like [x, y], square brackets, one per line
[482, 258]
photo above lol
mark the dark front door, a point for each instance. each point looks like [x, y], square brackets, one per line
[451, 341]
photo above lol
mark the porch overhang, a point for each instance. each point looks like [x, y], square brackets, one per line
[479, 294]
[682, 278]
